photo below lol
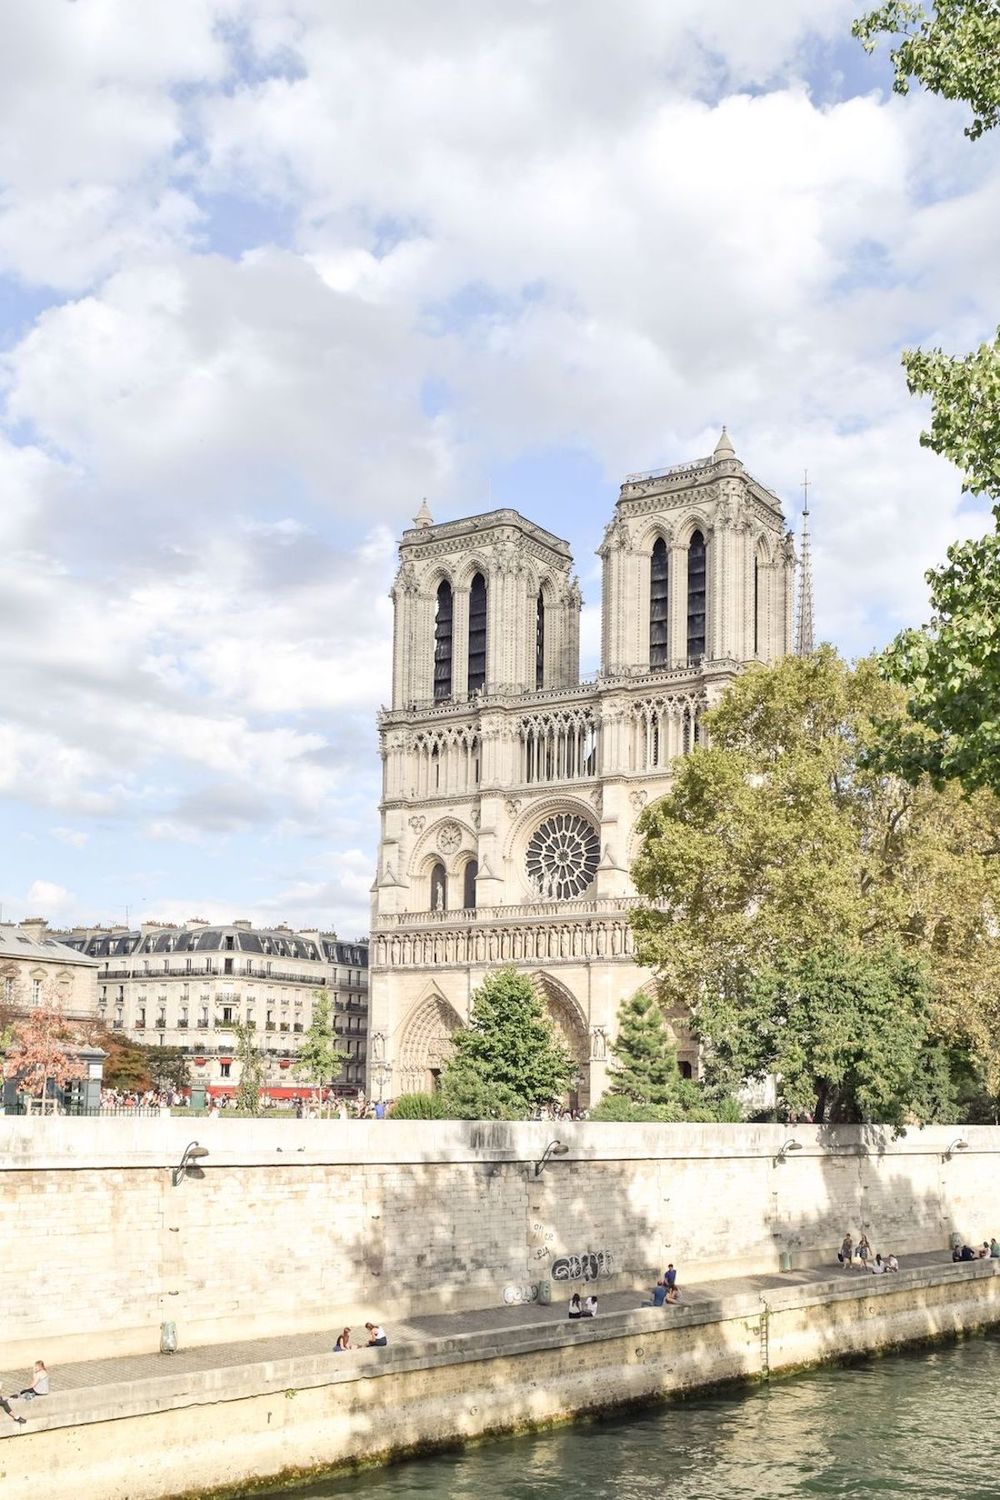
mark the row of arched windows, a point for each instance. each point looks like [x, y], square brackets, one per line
[444, 631]
[659, 617]
[439, 886]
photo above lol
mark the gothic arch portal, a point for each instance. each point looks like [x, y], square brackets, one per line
[571, 1027]
[425, 1045]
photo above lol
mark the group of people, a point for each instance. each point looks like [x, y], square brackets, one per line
[666, 1292]
[376, 1339]
[582, 1307]
[39, 1387]
[988, 1250]
[859, 1257]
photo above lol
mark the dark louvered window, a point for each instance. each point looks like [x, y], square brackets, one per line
[658, 605]
[469, 885]
[442, 642]
[477, 633]
[696, 597]
[540, 641]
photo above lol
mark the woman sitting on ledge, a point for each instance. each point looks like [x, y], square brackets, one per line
[376, 1336]
[343, 1342]
[589, 1307]
[39, 1385]
[575, 1307]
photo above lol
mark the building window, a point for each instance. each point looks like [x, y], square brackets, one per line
[539, 641]
[469, 884]
[477, 634]
[36, 992]
[439, 888]
[227, 1013]
[224, 1069]
[658, 605]
[442, 642]
[696, 597]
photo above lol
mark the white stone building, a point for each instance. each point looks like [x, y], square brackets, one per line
[36, 969]
[184, 986]
[511, 789]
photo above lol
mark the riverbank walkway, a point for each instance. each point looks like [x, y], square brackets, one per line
[88, 1374]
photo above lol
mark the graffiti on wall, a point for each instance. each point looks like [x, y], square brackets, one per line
[586, 1267]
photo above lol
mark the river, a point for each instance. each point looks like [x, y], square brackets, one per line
[925, 1426]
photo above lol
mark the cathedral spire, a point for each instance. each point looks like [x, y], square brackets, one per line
[804, 642]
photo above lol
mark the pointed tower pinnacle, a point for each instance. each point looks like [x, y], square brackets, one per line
[423, 516]
[724, 447]
[804, 643]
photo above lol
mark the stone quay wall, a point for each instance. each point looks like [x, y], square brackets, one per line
[222, 1431]
[294, 1226]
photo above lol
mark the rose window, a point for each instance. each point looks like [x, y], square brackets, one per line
[562, 856]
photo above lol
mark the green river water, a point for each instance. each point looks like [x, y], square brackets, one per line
[924, 1425]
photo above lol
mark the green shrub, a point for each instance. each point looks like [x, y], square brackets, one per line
[419, 1107]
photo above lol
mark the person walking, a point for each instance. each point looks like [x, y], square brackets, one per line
[846, 1253]
[864, 1251]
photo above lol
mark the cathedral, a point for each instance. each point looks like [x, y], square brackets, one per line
[512, 786]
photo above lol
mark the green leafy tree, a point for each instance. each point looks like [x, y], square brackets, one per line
[781, 834]
[319, 1056]
[950, 667]
[169, 1067]
[253, 1069]
[644, 1067]
[508, 1061]
[845, 1032]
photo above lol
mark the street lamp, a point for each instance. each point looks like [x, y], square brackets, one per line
[554, 1148]
[958, 1144]
[383, 1072]
[790, 1145]
[192, 1153]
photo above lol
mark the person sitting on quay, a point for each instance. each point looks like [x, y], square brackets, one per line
[891, 1263]
[994, 1248]
[984, 1250]
[673, 1295]
[846, 1253]
[39, 1384]
[343, 1342]
[589, 1307]
[964, 1254]
[877, 1267]
[5, 1406]
[376, 1336]
[575, 1306]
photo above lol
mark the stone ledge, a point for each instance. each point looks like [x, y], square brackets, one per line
[168, 1392]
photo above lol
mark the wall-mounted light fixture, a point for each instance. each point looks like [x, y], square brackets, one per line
[790, 1145]
[554, 1148]
[958, 1144]
[192, 1153]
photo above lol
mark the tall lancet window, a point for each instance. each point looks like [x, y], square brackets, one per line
[756, 606]
[658, 605]
[477, 633]
[442, 642]
[469, 884]
[696, 597]
[540, 641]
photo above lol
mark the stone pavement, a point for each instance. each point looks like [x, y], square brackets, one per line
[434, 1326]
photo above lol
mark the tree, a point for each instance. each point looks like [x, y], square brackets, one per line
[644, 1069]
[781, 833]
[320, 1054]
[253, 1068]
[844, 1032]
[38, 1055]
[954, 52]
[950, 667]
[508, 1061]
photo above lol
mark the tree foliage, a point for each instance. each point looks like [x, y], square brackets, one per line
[319, 1056]
[253, 1069]
[950, 667]
[508, 1061]
[782, 834]
[40, 1053]
[645, 1081]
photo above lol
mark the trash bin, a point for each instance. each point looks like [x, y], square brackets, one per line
[544, 1293]
[786, 1260]
[197, 1100]
[168, 1338]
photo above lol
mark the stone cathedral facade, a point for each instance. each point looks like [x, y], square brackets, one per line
[511, 787]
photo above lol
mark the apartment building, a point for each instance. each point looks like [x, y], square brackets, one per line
[186, 985]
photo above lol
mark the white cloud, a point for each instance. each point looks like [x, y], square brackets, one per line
[316, 261]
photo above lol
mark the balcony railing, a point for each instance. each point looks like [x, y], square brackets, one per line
[549, 910]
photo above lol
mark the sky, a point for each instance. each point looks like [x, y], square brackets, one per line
[272, 271]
